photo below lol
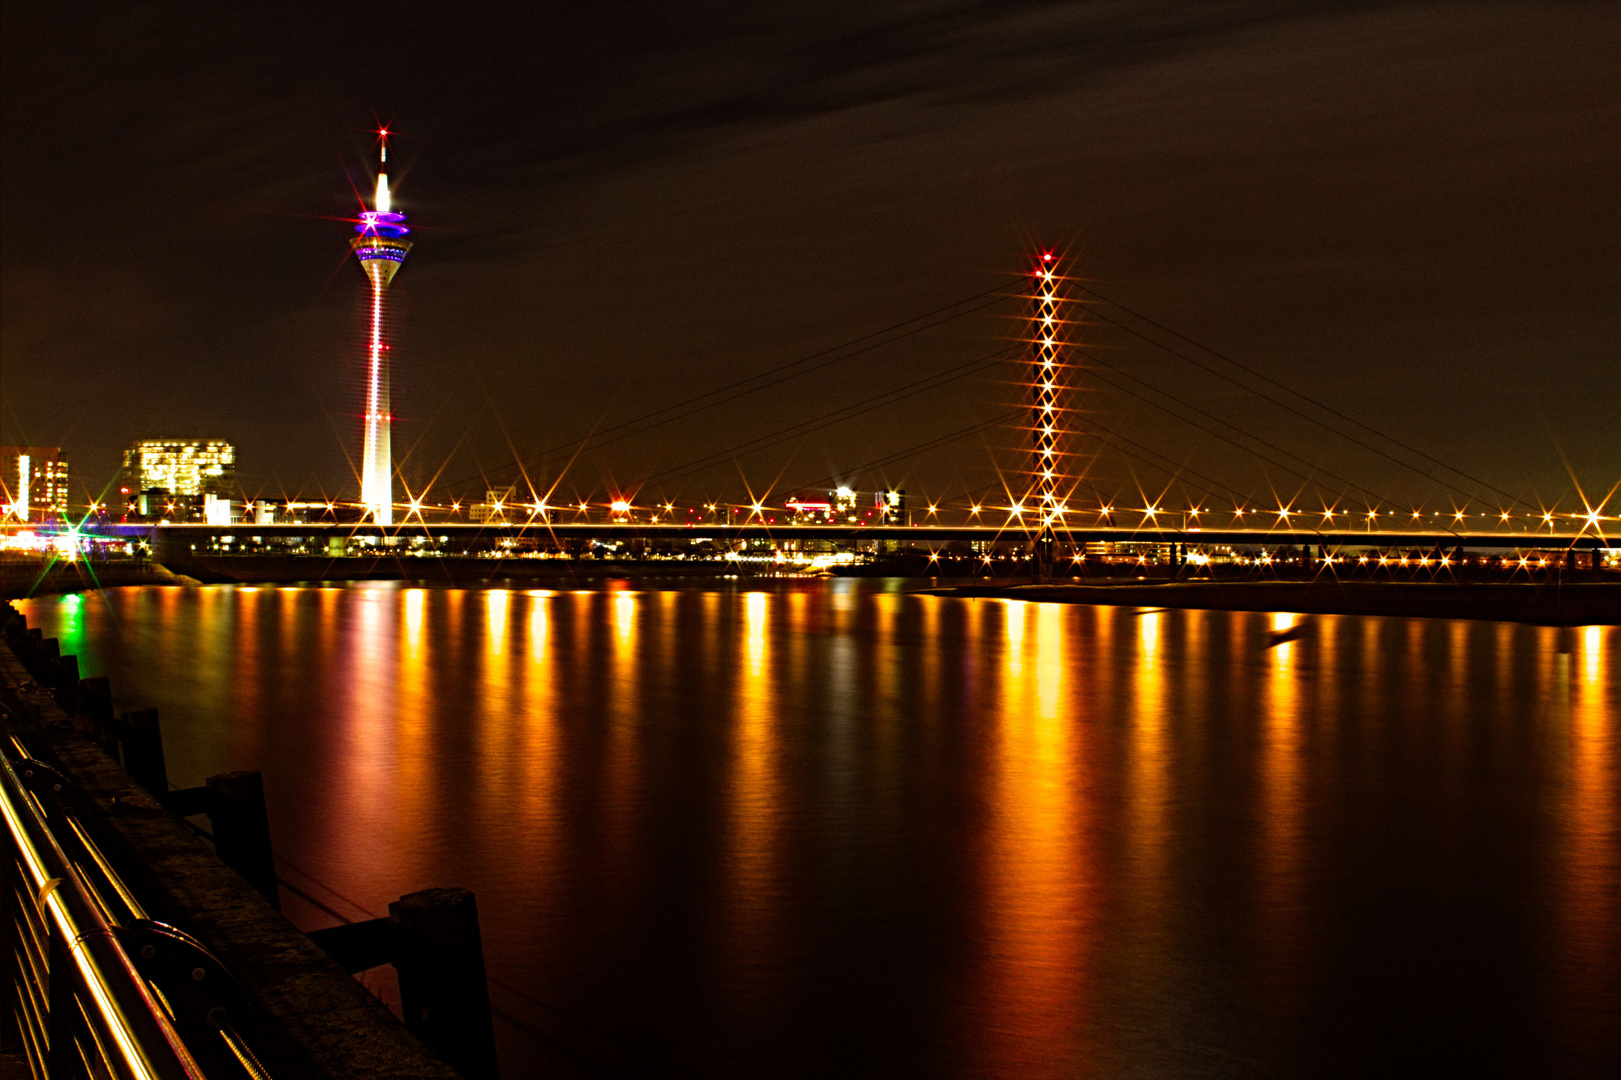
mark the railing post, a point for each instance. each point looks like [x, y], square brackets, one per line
[242, 829]
[59, 1057]
[12, 1038]
[443, 991]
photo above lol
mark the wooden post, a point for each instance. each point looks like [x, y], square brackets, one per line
[443, 991]
[142, 740]
[242, 829]
[62, 676]
[96, 706]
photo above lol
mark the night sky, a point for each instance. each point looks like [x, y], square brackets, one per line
[1410, 212]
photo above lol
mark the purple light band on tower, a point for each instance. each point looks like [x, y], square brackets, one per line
[381, 223]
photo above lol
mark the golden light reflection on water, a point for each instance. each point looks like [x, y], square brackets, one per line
[496, 602]
[518, 739]
[248, 666]
[414, 724]
[798, 624]
[929, 676]
[497, 724]
[625, 718]
[625, 617]
[754, 797]
[537, 625]
[1149, 757]
[1037, 878]
[1592, 834]
[754, 622]
[1282, 795]
[414, 600]
[536, 761]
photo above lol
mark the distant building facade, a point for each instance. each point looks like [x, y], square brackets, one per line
[497, 504]
[33, 483]
[180, 480]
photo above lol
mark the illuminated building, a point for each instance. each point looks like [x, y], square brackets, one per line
[803, 511]
[34, 482]
[497, 504]
[1046, 341]
[381, 247]
[181, 479]
[844, 504]
[891, 507]
[1130, 551]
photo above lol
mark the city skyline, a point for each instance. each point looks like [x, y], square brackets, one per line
[558, 306]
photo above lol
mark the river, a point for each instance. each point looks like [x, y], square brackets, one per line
[835, 828]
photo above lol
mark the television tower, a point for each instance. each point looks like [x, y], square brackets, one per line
[1046, 342]
[381, 247]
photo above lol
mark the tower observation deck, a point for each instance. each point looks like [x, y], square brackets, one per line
[381, 247]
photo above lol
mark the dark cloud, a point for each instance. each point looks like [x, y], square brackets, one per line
[1407, 212]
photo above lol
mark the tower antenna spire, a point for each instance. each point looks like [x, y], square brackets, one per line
[381, 201]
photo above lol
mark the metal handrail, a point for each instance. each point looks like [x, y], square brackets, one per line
[132, 1026]
[128, 1026]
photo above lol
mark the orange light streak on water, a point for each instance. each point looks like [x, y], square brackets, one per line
[1282, 811]
[1037, 870]
[753, 889]
[1592, 863]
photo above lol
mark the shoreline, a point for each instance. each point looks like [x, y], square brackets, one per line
[1553, 604]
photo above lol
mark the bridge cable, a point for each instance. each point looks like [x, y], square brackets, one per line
[1216, 434]
[1284, 405]
[829, 419]
[916, 449]
[783, 371]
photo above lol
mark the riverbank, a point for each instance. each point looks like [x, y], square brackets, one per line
[1548, 603]
[20, 578]
[1551, 604]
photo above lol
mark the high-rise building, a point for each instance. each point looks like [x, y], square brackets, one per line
[890, 506]
[34, 483]
[381, 247]
[182, 466]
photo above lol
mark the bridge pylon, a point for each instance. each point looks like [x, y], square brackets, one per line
[1046, 388]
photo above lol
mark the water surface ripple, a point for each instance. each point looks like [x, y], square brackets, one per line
[838, 829]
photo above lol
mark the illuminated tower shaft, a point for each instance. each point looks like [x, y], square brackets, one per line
[1045, 338]
[381, 247]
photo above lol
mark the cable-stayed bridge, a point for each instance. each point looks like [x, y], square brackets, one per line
[1057, 440]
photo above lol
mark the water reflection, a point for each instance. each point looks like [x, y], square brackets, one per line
[778, 832]
[1282, 815]
[1037, 879]
[754, 800]
[1593, 839]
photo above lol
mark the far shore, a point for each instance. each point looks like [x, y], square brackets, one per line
[1549, 604]
[1555, 603]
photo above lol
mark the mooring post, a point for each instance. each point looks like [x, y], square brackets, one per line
[142, 740]
[443, 991]
[62, 676]
[96, 706]
[242, 829]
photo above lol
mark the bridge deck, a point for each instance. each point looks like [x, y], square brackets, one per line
[913, 534]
